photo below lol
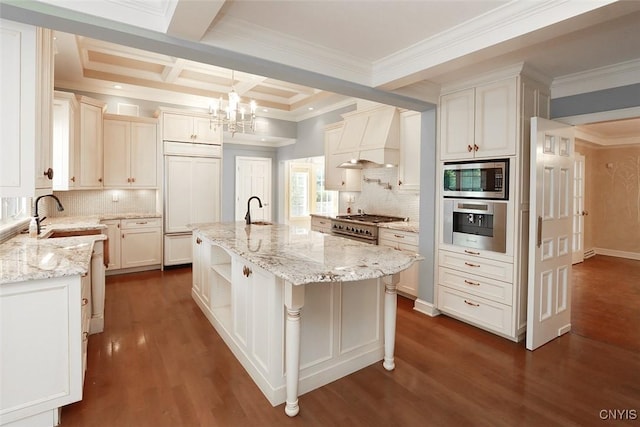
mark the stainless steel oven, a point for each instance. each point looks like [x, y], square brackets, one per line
[477, 179]
[475, 224]
[360, 227]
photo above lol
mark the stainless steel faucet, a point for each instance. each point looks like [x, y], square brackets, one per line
[247, 217]
[35, 212]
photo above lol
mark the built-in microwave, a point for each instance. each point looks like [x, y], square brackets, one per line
[486, 179]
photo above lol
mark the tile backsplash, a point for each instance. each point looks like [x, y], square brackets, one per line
[375, 198]
[92, 202]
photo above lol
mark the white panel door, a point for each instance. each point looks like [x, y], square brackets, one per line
[253, 178]
[578, 208]
[205, 184]
[550, 232]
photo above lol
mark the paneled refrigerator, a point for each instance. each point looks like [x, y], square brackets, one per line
[192, 178]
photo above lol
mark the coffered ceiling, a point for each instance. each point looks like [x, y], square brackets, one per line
[291, 55]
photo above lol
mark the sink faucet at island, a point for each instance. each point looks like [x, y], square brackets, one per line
[35, 212]
[247, 217]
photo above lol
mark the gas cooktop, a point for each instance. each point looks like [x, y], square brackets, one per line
[374, 219]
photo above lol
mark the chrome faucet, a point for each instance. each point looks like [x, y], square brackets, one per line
[247, 217]
[35, 213]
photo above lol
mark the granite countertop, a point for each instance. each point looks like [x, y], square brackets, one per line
[300, 256]
[410, 226]
[24, 258]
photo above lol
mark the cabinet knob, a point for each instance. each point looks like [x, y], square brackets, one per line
[48, 173]
[469, 148]
[72, 179]
[475, 147]
[85, 301]
[585, 213]
[128, 179]
[133, 180]
[399, 182]
[246, 271]
[99, 179]
[198, 240]
[85, 336]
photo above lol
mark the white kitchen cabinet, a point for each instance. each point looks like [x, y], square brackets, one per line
[201, 267]
[141, 242]
[134, 244]
[189, 128]
[479, 122]
[65, 137]
[86, 307]
[26, 84]
[130, 152]
[113, 235]
[321, 224]
[89, 154]
[42, 332]
[409, 166]
[335, 178]
[403, 241]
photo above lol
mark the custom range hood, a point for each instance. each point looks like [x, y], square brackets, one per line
[370, 139]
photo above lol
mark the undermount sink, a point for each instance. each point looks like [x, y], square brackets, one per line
[71, 233]
[261, 223]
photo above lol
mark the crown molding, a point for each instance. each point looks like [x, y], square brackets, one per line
[602, 116]
[503, 23]
[251, 39]
[610, 76]
[603, 141]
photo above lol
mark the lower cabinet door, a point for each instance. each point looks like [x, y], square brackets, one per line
[140, 247]
[177, 249]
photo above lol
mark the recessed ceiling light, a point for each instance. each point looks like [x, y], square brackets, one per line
[117, 87]
[263, 139]
[310, 108]
[265, 110]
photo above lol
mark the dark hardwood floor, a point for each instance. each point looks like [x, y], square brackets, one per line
[160, 363]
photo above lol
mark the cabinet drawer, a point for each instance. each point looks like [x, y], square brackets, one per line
[140, 223]
[397, 245]
[479, 311]
[477, 266]
[321, 224]
[405, 237]
[495, 290]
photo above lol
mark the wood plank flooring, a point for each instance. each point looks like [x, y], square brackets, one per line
[160, 363]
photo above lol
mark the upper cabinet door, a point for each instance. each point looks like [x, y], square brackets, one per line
[205, 132]
[177, 127]
[409, 167]
[25, 110]
[117, 140]
[457, 125]
[89, 165]
[496, 119]
[144, 155]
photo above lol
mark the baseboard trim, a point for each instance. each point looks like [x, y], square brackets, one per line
[619, 254]
[425, 307]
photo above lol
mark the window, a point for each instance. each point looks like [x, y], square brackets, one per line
[13, 208]
[306, 190]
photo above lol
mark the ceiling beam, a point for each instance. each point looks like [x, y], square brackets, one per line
[192, 18]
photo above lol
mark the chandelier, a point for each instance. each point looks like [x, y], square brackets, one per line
[233, 117]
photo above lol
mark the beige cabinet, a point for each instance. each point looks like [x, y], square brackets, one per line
[65, 137]
[88, 158]
[141, 242]
[336, 178]
[134, 244]
[113, 237]
[130, 152]
[189, 128]
[403, 241]
[321, 224]
[479, 122]
[26, 85]
[409, 166]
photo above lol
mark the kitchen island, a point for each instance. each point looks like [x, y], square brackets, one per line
[298, 308]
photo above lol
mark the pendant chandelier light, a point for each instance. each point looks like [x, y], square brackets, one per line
[233, 117]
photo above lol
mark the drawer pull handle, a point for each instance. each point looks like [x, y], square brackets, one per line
[471, 252]
[142, 222]
[85, 301]
[399, 236]
[473, 304]
[468, 282]
[471, 265]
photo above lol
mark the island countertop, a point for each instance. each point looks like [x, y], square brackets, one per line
[300, 256]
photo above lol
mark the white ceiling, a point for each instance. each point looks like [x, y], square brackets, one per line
[398, 52]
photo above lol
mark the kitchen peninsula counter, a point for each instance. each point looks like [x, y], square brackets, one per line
[298, 308]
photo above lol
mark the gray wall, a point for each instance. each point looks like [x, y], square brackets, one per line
[427, 238]
[310, 135]
[595, 102]
[229, 153]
